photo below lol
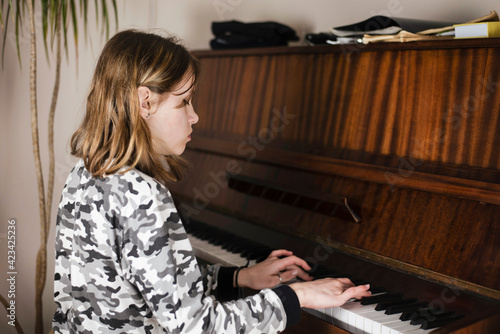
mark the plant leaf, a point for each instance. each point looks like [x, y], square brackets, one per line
[70, 11]
[18, 23]
[45, 26]
[5, 37]
[116, 14]
[84, 6]
[64, 26]
[72, 6]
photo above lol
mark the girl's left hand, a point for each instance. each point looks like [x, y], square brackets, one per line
[266, 274]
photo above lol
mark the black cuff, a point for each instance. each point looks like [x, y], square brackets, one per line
[225, 290]
[291, 304]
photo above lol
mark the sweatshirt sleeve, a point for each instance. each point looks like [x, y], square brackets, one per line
[158, 260]
[218, 281]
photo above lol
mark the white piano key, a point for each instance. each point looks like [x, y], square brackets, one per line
[352, 310]
[320, 313]
[216, 254]
[363, 319]
[374, 322]
[418, 331]
[336, 316]
[396, 327]
[399, 328]
[346, 312]
[360, 315]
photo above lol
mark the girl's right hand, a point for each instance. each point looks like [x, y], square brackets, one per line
[328, 292]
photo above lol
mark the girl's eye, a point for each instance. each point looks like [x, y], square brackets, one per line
[183, 104]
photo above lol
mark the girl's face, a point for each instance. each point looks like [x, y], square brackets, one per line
[171, 122]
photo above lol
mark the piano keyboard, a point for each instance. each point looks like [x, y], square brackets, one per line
[382, 313]
[216, 254]
[360, 319]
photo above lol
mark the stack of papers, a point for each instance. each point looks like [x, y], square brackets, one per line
[478, 30]
[389, 29]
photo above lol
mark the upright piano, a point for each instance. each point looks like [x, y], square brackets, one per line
[376, 162]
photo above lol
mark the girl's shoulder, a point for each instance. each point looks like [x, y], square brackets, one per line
[125, 185]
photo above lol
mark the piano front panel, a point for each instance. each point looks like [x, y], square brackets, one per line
[431, 102]
[406, 133]
[437, 234]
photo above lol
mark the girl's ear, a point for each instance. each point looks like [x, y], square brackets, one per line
[145, 100]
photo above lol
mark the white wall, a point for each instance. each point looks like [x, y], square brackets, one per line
[189, 19]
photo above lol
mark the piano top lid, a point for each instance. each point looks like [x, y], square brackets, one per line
[352, 48]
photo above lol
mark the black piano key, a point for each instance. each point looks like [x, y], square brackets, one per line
[239, 243]
[381, 298]
[252, 250]
[429, 315]
[405, 308]
[200, 233]
[244, 244]
[416, 315]
[377, 289]
[429, 324]
[382, 306]
[216, 241]
[238, 247]
[321, 274]
[320, 271]
[231, 242]
[408, 315]
[258, 254]
[357, 281]
[225, 245]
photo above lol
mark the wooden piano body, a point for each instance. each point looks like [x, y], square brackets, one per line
[380, 161]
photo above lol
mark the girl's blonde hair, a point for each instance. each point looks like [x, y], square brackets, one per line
[113, 134]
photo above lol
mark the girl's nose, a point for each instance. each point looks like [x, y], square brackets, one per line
[193, 116]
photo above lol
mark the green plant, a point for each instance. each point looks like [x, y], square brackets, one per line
[58, 17]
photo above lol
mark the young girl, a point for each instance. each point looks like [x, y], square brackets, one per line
[124, 263]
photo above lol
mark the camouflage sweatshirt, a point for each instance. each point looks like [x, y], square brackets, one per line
[124, 264]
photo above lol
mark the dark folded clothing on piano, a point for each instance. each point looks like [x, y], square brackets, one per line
[235, 34]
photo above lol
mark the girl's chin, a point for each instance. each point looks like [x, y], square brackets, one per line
[171, 151]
